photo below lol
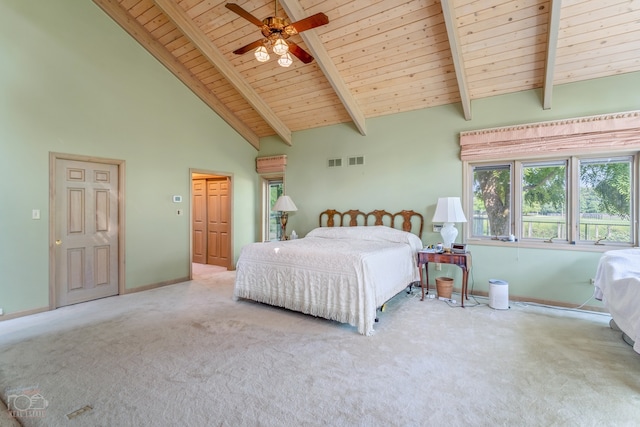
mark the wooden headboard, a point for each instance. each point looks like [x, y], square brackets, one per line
[410, 221]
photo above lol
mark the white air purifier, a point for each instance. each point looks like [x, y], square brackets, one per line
[498, 294]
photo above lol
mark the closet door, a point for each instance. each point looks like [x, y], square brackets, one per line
[199, 251]
[218, 224]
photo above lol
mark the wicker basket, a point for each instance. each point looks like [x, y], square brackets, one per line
[444, 286]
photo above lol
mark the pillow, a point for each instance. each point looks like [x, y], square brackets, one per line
[376, 232]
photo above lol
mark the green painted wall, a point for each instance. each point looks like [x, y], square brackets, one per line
[411, 159]
[72, 81]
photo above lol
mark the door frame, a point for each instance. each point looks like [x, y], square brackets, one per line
[53, 157]
[210, 174]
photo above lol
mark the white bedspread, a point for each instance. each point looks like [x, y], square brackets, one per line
[341, 273]
[617, 285]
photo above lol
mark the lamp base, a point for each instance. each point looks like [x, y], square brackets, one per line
[449, 233]
[283, 225]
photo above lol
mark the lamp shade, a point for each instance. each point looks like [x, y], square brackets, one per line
[280, 47]
[449, 209]
[285, 60]
[261, 54]
[284, 204]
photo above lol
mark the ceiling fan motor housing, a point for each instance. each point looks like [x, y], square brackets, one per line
[275, 25]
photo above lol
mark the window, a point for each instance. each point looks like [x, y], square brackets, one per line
[544, 200]
[605, 200]
[572, 181]
[576, 200]
[491, 200]
[273, 188]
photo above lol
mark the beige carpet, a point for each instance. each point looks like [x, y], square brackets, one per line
[189, 355]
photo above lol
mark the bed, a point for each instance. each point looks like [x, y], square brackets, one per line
[343, 270]
[617, 285]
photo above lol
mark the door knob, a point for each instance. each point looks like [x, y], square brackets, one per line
[58, 242]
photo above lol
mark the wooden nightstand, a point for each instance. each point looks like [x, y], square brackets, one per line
[461, 260]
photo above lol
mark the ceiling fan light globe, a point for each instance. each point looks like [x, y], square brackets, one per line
[280, 47]
[285, 60]
[261, 54]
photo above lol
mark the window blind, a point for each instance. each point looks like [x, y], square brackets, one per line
[271, 164]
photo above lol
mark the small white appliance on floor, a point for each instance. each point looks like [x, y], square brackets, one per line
[498, 294]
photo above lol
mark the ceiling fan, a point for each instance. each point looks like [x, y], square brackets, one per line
[276, 31]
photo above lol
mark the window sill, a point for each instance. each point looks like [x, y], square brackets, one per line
[556, 245]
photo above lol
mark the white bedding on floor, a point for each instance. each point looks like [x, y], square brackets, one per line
[338, 273]
[617, 285]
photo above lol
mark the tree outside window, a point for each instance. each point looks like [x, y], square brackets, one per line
[544, 200]
[491, 200]
[605, 200]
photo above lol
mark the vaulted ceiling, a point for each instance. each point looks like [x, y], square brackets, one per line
[378, 57]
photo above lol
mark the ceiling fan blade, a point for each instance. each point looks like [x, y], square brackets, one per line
[299, 52]
[307, 23]
[243, 13]
[250, 46]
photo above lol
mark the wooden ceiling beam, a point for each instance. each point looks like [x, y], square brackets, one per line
[295, 12]
[552, 46]
[158, 51]
[181, 20]
[456, 55]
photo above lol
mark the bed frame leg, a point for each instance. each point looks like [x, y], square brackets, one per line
[382, 308]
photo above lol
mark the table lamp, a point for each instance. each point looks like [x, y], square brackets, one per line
[284, 204]
[449, 211]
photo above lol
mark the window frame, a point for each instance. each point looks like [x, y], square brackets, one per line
[572, 200]
[470, 207]
[265, 206]
[521, 165]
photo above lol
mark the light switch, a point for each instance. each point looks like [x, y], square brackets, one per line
[35, 214]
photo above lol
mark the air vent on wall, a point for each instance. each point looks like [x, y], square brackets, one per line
[334, 163]
[356, 161]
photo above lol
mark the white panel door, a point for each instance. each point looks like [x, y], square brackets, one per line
[86, 231]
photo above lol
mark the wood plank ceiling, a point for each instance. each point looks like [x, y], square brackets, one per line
[378, 57]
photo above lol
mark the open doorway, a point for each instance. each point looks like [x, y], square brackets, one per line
[211, 228]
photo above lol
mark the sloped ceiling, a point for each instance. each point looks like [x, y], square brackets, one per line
[380, 57]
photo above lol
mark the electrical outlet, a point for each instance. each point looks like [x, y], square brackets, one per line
[438, 266]
[592, 281]
[1, 312]
[179, 212]
[437, 228]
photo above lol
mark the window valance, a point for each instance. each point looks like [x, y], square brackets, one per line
[271, 164]
[607, 133]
